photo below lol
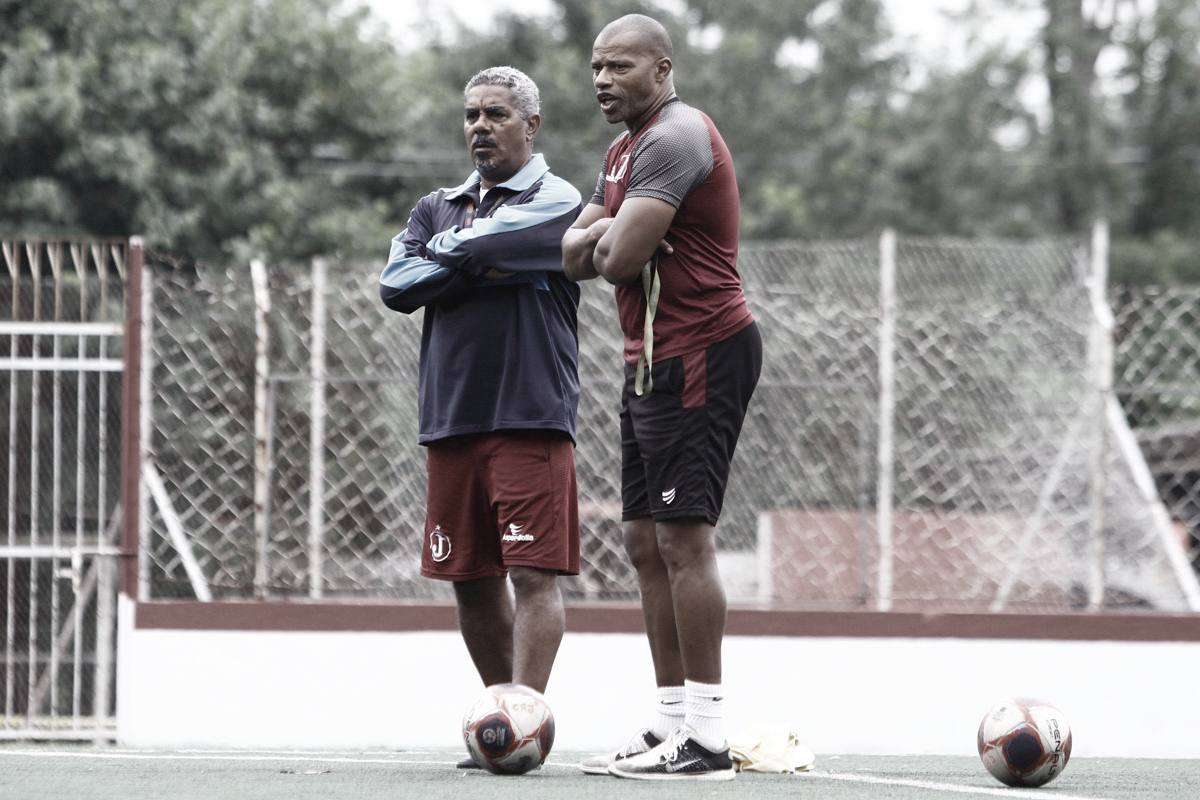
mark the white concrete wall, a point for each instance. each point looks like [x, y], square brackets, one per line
[230, 689]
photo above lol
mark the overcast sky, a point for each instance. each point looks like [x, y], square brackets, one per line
[925, 28]
[920, 21]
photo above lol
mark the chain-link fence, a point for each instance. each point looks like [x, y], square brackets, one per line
[931, 446]
[1158, 381]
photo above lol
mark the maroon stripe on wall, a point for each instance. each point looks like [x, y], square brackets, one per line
[627, 618]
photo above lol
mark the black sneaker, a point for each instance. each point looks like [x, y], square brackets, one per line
[680, 757]
[642, 742]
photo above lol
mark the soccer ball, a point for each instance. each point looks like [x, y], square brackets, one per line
[1024, 742]
[509, 729]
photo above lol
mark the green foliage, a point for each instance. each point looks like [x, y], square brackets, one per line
[193, 123]
[222, 129]
[1163, 111]
[1165, 258]
[805, 115]
[952, 170]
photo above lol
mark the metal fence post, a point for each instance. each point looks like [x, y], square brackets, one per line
[1100, 358]
[887, 394]
[316, 435]
[262, 524]
[134, 421]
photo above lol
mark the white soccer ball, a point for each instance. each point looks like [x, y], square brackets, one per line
[1025, 742]
[509, 729]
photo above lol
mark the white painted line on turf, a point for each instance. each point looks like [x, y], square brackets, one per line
[217, 757]
[202, 755]
[943, 787]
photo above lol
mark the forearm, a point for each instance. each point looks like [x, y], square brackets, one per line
[520, 237]
[410, 282]
[635, 234]
[578, 247]
[614, 269]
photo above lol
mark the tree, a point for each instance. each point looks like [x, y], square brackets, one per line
[1073, 39]
[222, 129]
[1157, 234]
[1164, 119]
[964, 156]
[197, 123]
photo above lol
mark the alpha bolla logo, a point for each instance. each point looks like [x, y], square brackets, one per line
[669, 496]
[516, 534]
[439, 544]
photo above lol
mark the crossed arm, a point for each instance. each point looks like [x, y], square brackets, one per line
[428, 266]
[616, 248]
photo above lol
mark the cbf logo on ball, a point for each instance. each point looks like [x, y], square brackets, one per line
[494, 734]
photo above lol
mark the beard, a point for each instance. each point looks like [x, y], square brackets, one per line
[485, 160]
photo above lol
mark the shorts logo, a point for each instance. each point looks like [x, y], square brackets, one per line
[514, 534]
[439, 544]
[669, 496]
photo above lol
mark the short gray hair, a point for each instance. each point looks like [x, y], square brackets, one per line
[525, 96]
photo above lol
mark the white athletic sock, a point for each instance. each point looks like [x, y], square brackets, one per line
[668, 710]
[704, 708]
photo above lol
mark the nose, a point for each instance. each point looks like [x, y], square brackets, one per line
[600, 78]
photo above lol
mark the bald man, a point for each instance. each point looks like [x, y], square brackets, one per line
[662, 226]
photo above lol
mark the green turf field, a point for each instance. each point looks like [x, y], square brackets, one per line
[68, 772]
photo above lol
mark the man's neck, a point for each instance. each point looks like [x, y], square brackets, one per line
[485, 183]
[636, 125]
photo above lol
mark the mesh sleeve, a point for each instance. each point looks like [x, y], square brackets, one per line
[672, 158]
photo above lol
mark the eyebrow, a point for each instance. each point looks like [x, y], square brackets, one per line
[612, 61]
[493, 109]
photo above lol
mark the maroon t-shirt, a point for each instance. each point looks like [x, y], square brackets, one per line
[680, 158]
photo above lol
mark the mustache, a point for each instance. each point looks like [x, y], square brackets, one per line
[486, 141]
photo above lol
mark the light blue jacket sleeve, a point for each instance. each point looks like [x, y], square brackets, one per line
[410, 280]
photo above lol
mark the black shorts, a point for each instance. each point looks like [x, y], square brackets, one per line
[677, 442]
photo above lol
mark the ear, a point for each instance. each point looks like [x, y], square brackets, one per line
[531, 126]
[662, 68]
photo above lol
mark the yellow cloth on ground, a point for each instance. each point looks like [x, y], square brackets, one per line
[767, 747]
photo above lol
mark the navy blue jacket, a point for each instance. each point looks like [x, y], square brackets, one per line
[495, 354]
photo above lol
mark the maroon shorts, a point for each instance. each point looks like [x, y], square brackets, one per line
[499, 500]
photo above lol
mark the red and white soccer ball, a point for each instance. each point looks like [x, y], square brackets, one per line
[1025, 742]
[509, 729]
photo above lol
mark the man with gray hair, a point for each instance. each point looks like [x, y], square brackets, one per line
[498, 383]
